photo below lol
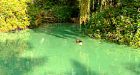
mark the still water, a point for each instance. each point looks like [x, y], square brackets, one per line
[52, 50]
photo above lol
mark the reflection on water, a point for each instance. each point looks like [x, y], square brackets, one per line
[12, 46]
[81, 69]
[133, 67]
[51, 50]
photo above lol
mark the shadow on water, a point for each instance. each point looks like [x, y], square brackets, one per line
[61, 30]
[134, 68]
[81, 69]
[11, 61]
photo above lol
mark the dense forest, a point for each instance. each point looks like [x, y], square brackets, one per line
[113, 20]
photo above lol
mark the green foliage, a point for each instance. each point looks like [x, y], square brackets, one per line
[117, 24]
[13, 15]
[19, 14]
[34, 9]
[63, 13]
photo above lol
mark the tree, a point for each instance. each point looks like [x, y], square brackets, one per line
[84, 11]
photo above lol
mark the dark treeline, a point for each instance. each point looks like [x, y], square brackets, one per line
[55, 10]
[114, 20]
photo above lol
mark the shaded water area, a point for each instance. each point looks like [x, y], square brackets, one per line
[51, 50]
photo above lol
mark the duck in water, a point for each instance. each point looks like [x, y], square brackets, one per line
[79, 42]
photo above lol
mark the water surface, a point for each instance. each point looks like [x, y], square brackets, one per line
[52, 50]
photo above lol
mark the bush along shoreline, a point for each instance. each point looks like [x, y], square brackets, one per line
[22, 14]
[116, 24]
[13, 15]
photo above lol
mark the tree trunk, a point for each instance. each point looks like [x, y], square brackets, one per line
[105, 4]
[84, 11]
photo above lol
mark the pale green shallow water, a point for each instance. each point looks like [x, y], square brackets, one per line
[51, 50]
